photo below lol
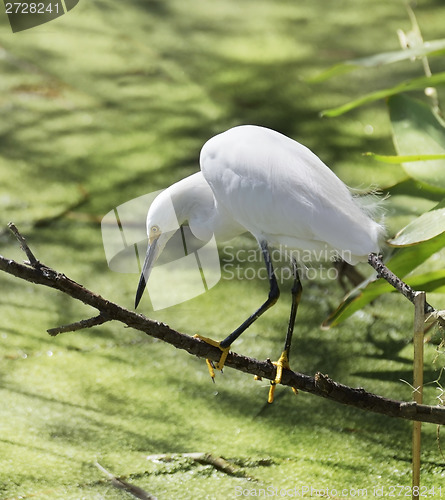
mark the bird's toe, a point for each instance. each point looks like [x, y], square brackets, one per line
[220, 364]
[281, 364]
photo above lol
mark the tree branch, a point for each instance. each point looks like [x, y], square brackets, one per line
[383, 272]
[320, 385]
[23, 245]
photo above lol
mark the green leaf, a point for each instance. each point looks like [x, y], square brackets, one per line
[433, 48]
[397, 159]
[354, 301]
[428, 282]
[412, 187]
[417, 130]
[414, 84]
[403, 262]
[423, 228]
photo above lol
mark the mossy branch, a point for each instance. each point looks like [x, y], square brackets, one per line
[321, 385]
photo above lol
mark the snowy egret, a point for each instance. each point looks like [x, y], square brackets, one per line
[256, 180]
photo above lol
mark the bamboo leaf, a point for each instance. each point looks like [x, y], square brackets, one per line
[409, 85]
[429, 282]
[417, 130]
[397, 159]
[432, 48]
[423, 228]
[403, 262]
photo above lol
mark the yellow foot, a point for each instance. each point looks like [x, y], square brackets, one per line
[225, 351]
[282, 363]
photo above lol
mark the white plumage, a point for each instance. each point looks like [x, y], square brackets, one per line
[257, 180]
[281, 192]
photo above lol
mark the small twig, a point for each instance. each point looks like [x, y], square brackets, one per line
[79, 325]
[23, 245]
[221, 464]
[124, 485]
[383, 272]
[418, 339]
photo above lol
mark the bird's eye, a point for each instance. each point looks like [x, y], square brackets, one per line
[155, 231]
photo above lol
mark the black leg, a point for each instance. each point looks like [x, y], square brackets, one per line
[297, 290]
[274, 293]
[283, 362]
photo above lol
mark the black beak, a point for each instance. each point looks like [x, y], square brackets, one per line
[150, 258]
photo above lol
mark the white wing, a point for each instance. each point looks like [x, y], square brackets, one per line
[282, 192]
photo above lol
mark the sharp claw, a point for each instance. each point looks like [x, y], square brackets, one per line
[220, 364]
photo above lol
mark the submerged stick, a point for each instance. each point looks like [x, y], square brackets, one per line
[121, 484]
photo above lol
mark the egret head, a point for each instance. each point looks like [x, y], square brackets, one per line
[162, 223]
[191, 199]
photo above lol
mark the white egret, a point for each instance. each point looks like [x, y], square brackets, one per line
[256, 180]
